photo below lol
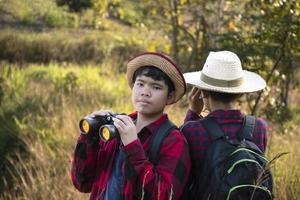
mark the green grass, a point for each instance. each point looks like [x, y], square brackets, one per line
[40, 111]
[78, 45]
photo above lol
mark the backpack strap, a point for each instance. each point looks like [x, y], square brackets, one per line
[213, 128]
[159, 136]
[247, 129]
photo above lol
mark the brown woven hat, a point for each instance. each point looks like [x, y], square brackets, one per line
[162, 62]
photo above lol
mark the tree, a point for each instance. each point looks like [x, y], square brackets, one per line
[189, 25]
[265, 35]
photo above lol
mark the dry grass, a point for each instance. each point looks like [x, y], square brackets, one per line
[286, 170]
[47, 125]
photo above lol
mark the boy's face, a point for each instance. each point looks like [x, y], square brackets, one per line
[150, 96]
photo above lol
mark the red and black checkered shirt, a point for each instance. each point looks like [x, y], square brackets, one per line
[93, 160]
[230, 121]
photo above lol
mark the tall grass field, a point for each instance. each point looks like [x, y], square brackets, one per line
[40, 107]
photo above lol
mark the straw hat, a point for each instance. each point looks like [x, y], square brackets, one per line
[162, 62]
[222, 72]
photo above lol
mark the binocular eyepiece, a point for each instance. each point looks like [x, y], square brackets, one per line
[104, 125]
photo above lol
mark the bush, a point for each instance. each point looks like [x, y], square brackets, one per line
[61, 18]
[62, 46]
[38, 13]
[43, 48]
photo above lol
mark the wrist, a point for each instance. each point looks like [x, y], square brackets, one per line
[127, 141]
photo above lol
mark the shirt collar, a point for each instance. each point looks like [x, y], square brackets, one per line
[226, 114]
[152, 127]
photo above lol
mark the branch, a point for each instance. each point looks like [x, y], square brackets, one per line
[269, 76]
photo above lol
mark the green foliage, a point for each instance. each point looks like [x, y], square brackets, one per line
[110, 47]
[129, 12]
[26, 15]
[278, 112]
[264, 37]
[61, 18]
[38, 12]
[46, 47]
[66, 84]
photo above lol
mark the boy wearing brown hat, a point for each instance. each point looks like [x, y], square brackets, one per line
[121, 168]
[217, 87]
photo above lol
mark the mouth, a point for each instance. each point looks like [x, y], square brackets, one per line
[143, 102]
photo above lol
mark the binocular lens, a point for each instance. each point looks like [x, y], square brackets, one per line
[85, 126]
[105, 133]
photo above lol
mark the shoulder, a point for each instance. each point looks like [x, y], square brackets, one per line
[261, 123]
[175, 146]
[175, 136]
[191, 127]
[176, 133]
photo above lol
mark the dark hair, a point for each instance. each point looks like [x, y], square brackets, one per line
[156, 74]
[224, 97]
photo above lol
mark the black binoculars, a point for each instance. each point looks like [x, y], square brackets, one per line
[104, 125]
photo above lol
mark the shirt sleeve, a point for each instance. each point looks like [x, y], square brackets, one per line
[191, 116]
[84, 162]
[167, 179]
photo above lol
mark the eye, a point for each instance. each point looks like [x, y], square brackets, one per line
[157, 87]
[139, 84]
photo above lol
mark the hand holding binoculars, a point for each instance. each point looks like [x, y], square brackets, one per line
[103, 125]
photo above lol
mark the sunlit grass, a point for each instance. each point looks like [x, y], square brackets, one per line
[286, 170]
[43, 105]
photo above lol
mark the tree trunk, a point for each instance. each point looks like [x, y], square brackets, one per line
[174, 21]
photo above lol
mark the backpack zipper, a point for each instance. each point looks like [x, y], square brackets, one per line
[253, 186]
[245, 149]
[240, 161]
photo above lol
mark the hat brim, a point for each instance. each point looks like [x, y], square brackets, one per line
[252, 83]
[163, 63]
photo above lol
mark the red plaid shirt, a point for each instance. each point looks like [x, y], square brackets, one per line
[230, 121]
[93, 160]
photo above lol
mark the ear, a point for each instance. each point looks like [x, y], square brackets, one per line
[171, 97]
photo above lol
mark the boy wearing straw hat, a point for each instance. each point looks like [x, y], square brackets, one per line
[217, 87]
[121, 168]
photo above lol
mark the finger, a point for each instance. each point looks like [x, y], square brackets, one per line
[193, 91]
[118, 126]
[126, 119]
[119, 122]
[195, 95]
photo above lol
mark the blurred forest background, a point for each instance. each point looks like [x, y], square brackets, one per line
[63, 59]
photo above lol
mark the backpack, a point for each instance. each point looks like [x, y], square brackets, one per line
[162, 132]
[233, 169]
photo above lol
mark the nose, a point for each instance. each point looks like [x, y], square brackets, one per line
[146, 92]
